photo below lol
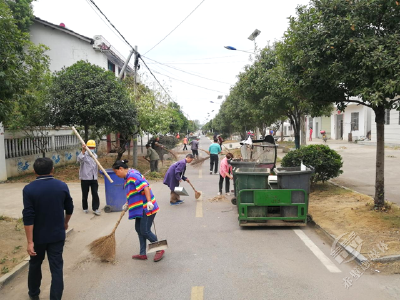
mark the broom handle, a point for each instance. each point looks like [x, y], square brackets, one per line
[119, 220]
[91, 154]
[192, 186]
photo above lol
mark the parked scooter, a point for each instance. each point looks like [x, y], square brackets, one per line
[323, 135]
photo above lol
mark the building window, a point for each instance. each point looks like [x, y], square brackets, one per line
[354, 121]
[387, 116]
[310, 122]
[111, 67]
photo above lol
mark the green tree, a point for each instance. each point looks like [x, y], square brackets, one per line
[21, 62]
[350, 49]
[86, 95]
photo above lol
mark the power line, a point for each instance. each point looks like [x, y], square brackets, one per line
[202, 87]
[154, 77]
[175, 27]
[119, 37]
[112, 25]
[186, 71]
[211, 63]
[137, 53]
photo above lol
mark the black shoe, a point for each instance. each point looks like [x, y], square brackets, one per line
[34, 297]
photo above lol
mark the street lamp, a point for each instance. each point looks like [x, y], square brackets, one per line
[233, 48]
[255, 34]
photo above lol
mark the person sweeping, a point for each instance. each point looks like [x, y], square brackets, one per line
[174, 175]
[141, 204]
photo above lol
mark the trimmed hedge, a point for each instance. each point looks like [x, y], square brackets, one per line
[326, 162]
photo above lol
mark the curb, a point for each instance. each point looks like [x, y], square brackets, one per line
[357, 255]
[18, 268]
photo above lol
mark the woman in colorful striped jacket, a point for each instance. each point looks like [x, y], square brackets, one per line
[141, 204]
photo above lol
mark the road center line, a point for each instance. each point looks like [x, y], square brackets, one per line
[199, 206]
[317, 252]
[200, 173]
[197, 293]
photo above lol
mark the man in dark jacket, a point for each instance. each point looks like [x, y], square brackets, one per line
[45, 200]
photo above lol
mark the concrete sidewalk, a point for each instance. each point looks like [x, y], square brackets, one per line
[359, 167]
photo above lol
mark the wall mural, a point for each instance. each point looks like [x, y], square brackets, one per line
[21, 167]
[56, 159]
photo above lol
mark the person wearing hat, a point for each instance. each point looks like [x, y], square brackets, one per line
[88, 175]
[153, 158]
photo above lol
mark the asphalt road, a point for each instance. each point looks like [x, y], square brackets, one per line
[209, 257]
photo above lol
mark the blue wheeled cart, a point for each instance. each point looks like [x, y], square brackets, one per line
[115, 193]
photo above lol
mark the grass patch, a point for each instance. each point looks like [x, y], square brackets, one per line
[327, 189]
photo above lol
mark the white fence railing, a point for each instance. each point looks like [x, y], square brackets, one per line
[17, 147]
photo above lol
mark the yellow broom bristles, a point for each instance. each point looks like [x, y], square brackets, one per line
[104, 247]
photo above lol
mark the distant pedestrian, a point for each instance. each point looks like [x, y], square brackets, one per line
[220, 141]
[45, 200]
[156, 145]
[141, 204]
[194, 146]
[214, 150]
[225, 171]
[88, 172]
[185, 142]
[153, 156]
[174, 175]
[178, 136]
[311, 131]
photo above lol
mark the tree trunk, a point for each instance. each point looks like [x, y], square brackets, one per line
[303, 136]
[86, 132]
[135, 152]
[379, 199]
[122, 146]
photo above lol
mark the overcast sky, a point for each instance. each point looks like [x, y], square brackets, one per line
[196, 46]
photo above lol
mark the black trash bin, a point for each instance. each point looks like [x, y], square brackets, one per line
[294, 178]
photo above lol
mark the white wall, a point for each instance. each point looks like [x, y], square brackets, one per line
[392, 130]
[3, 169]
[65, 49]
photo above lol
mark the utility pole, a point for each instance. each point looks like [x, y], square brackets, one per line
[135, 144]
[125, 65]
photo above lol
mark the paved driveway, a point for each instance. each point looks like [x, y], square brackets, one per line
[359, 168]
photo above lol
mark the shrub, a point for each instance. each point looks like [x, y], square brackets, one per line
[326, 162]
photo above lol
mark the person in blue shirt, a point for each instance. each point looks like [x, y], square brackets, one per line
[214, 150]
[45, 200]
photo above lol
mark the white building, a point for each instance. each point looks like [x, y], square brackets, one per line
[68, 47]
[392, 127]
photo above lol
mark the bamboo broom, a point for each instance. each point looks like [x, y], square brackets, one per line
[104, 247]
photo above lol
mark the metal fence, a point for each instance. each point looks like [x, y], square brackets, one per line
[17, 147]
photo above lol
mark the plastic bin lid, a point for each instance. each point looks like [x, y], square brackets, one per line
[292, 171]
[109, 171]
[253, 171]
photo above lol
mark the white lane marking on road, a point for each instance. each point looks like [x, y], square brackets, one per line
[317, 252]
[199, 206]
[197, 293]
[200, 173]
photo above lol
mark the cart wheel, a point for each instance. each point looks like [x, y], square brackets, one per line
[234, 202]
[107, 208]
[309, 218]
